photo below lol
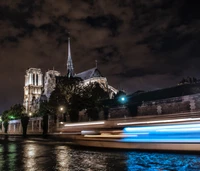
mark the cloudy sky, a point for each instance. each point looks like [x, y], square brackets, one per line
[139, 44]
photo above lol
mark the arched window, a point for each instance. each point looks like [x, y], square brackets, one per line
[33, 79]
[36, 79]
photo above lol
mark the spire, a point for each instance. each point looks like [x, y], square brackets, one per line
[96, 63]
[70, 68]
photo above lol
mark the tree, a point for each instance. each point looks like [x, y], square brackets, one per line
[65, 94]
[16, 112]
[75, 96]
[5, 119]
[45, 110]
[93, 96]
[76, 104]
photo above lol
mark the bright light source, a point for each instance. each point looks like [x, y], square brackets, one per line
[30, 114]
[12, 117]
[61, 108]
[123, 99]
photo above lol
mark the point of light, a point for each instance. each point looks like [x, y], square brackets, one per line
[12, 117]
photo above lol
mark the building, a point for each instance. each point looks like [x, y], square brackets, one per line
[34, 88]
[50, 82]
[183, 98]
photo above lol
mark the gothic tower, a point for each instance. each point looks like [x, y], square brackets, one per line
[50, 82]
[32, 89]
[70, 68]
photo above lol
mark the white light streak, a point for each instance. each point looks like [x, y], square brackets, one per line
[85, 124]
[160, 121]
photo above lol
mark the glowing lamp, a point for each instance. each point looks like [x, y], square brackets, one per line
[12, 117]
[122, 99]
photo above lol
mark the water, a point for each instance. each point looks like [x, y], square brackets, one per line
[33, 154]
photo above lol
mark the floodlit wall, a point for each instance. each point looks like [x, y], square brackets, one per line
[172, 105]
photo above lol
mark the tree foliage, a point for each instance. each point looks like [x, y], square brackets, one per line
[15, 112]
[74, 96]
[93, 97]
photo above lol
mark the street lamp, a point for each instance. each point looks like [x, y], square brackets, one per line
[12, 117]
[62, 111]
[122, 99]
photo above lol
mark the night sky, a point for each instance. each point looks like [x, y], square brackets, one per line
[139, 44]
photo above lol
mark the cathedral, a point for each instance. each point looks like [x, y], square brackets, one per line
[36, 86]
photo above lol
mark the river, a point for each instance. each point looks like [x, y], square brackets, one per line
[37, 154]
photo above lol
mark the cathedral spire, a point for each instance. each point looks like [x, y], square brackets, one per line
[70, 68]
[96, 62]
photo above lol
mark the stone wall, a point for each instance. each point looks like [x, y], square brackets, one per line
[171, 105]
[34, 126]
[120, 112]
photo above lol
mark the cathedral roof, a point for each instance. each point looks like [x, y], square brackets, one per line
[94, 72]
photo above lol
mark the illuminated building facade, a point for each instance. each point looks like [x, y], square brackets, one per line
[89, 76]
[34, 89]
[50, 82]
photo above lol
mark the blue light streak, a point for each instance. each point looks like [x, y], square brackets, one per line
[180, 133]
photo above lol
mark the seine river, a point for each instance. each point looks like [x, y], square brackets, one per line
[34, 154]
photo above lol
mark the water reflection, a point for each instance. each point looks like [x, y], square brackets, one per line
[32, 155]
[69, 159]
[62, 158]
[162, 161]
[37, 156]
[8, 156]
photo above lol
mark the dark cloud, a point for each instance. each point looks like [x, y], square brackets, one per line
[107, 21]
[139, 44]
[141, 72]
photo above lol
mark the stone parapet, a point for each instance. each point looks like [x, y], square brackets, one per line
[187, 103]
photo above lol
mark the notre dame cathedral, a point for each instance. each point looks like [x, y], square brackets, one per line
[35, 87]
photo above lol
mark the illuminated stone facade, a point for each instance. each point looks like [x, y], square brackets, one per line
[94, 76]
[32, 89]
[50, 82]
